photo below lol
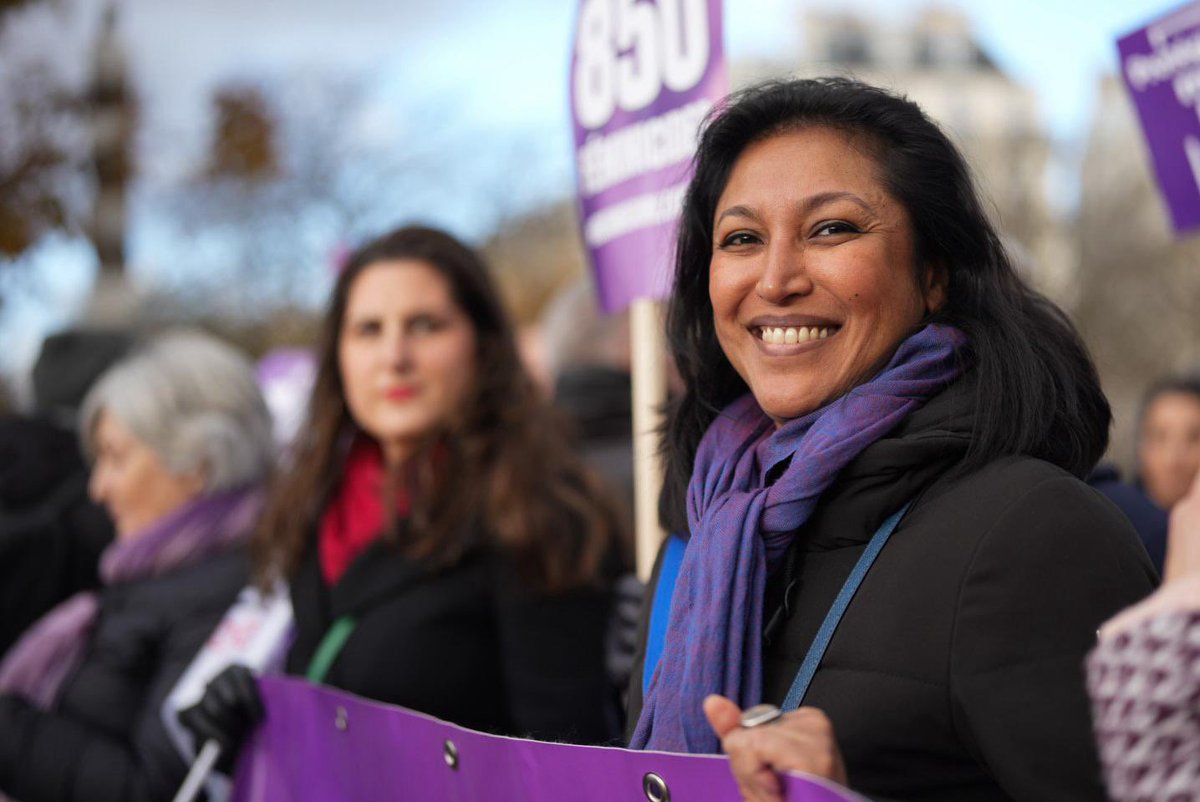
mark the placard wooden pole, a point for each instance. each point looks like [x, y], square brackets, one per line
[648, 347]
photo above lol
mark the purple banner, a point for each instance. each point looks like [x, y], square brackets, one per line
[643, 77]
[319, 744]
[1161, 66]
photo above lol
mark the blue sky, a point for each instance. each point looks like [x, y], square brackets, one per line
[499, 69]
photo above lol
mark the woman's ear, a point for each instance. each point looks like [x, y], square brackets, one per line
[937, 285]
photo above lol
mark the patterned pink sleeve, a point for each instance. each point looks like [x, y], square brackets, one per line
[1145, 689]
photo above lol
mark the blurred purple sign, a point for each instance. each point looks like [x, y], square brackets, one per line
[1161, 65]
[643, 77]
[286, 376]
[317, 744]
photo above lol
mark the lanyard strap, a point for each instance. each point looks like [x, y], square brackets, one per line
[329, 648]
[820, 643]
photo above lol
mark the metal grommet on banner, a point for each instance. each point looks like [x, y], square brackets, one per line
[655, 788]
[450, 754]
[341, 719]
[760, 714]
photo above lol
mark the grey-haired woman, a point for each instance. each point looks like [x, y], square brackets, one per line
[181, 442]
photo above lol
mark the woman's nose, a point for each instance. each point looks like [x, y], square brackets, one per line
[398, 351]
[783, 275]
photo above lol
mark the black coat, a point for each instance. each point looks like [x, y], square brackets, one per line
[105, 741]
[51, 535]
[1148, 519]
[956, 673]
[467, 644]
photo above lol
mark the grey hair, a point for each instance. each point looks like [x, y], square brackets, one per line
[192, 399]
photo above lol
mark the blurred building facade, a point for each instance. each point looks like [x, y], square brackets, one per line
[112, 120]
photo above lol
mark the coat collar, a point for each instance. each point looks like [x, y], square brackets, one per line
[893, 470]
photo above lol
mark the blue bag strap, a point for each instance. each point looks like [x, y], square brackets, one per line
[820, 643]
[668, 572]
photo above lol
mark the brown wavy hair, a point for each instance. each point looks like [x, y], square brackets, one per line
[504, 471]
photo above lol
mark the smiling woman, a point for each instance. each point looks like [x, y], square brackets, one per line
[875, 470]
[804, 216]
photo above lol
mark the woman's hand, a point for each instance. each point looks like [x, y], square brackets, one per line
[229, 709]
[801, 740]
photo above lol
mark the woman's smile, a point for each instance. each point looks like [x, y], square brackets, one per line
[783, 337]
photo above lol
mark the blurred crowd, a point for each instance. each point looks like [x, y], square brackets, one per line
[450, 538]
[446, 506]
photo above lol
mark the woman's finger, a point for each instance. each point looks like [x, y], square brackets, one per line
[724, 716]
[802, 740]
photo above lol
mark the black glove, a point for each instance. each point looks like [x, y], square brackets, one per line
[229, 709]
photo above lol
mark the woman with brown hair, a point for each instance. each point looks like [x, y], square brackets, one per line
[444, 549]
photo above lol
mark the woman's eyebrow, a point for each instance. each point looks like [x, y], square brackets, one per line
[823, 198]
[738, 211]
[803, 207]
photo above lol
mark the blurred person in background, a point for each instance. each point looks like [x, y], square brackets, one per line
[180, 439]
[1144, 678]
[1168, 440]
[586, 353]
[863, 363]
[51, 533]
[445, 549]
[1168, 458]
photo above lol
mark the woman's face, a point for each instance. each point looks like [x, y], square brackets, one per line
[1169, 447]
[812, 280]
[131, 480]
[406, 353]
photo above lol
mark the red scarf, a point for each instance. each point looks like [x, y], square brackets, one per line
[353, 519]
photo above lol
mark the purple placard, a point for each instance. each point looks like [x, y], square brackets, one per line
[286, 376]
[1161, 66]
[321, 744]
[643, 76]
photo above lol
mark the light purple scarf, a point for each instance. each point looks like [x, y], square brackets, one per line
[51, 649]
[741, 526]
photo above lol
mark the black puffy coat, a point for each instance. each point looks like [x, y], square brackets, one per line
[467, 643]
[51, 534]
[957, 671]
[105, 741]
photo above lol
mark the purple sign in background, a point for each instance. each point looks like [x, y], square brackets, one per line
[1161, 66]
[643, 76]
[318, 745]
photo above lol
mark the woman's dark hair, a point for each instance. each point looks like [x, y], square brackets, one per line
[502, 464]
[1036, 390]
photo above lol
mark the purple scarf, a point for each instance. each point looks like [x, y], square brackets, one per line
[741, 526]
[53, 647]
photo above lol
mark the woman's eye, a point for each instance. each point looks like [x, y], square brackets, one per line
[423, 324]
[738, 238]
[366, 328]
[835, 227]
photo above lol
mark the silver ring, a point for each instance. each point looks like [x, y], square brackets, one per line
[760, 714]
